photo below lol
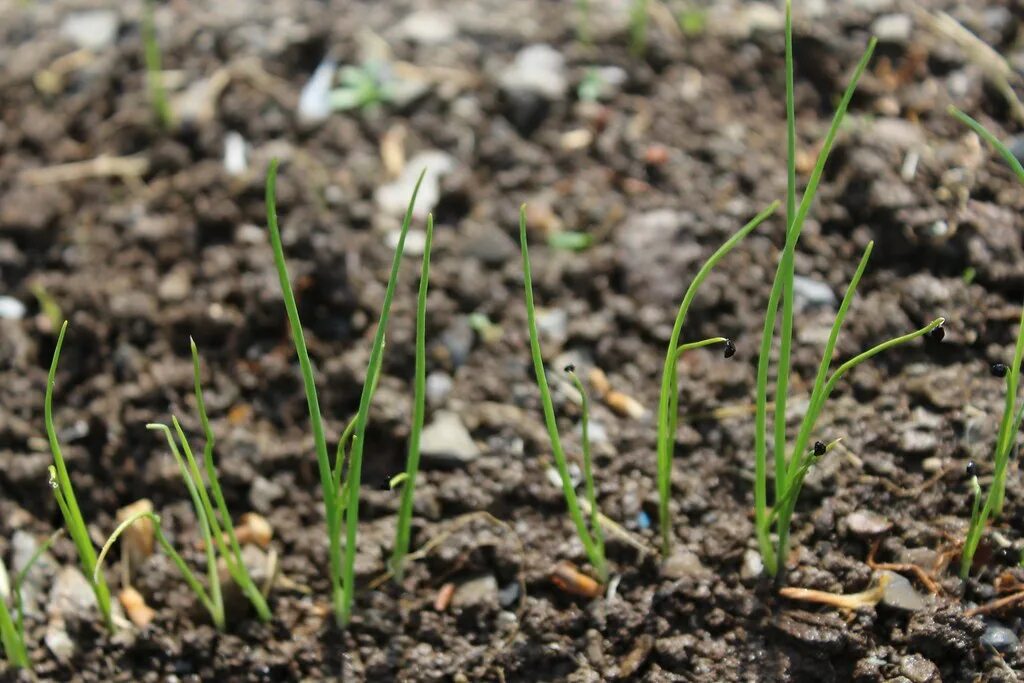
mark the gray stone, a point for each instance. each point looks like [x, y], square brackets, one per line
[457, 339]
[508, 595]
[920, 670]
[175, 285]
[415, 241]
[11, 308]
[91, 29]
[481, 592]
[683, 563]
[58, 641]
[446, 441]
[315, 98]
[264, 493]
[753, 566]
[999, 638]
[865, 523]
[236, 151]
[809, 293]
[892, 28]
[71, 595]
[488, 244]
[538, 69]
[393, 198]
[439, 386]
[428, 27]
[900, 594]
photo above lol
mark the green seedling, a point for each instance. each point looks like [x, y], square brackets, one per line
[638, 27]
[363, 87]
[12, 629]
[1010, 424]
[218, 533]
[212, 601]
[64, 494]
[154, 68]
[593, 538]
[570, 240]
[583, 23]
[693, 21]
[790, 470]
[668, 403]
[341, 496]
[412, 465]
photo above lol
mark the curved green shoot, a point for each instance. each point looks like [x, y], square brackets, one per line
[667, 416]
[412, 466]
[231, 550]
[991, 139]
[64, 493]
[594, 551]
[206, 528]
[215, 609]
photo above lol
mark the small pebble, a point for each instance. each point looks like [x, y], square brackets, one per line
[900, 594]
[315, 100]
[509, 595]
[753, 566]
[11, 308]
[999, 638]
[866, 524]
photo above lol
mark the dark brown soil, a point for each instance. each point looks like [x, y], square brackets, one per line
[688, 150]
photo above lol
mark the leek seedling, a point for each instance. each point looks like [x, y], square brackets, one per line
[668, 404]
[64, 493]
[1010, 424]
[412, 465]
[592, 539]
[341, 499]
[12, 629]
[154, 69]
[790, 471]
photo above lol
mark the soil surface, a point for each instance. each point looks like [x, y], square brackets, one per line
[142, 236]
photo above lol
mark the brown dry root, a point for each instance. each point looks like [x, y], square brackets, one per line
[922, 575]
[1005, 583]
[850, 601]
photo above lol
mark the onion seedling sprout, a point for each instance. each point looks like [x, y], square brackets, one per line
[638, 27]
[1010, 424]
[12, 629]
[213, 604]
[668, 403]
[412, 466]
[593, 538]
[64, 493]
[154, 68]
[341, 498]
[790, 471]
